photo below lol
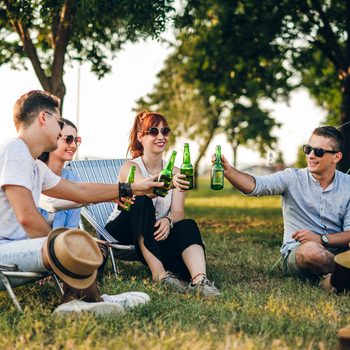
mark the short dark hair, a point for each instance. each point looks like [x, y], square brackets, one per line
[30, 104]
[332, 133]
[44, 157]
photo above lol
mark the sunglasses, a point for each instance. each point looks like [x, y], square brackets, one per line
[155, 131]
[60, 122]
[319, 152]
[70, 138]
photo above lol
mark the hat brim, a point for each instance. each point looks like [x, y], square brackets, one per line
[73, 282]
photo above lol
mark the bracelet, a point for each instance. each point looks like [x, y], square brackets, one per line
[125, 190]
[170, 221]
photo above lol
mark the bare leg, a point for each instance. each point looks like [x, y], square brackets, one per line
[155, 265]
[194, 259]
[315, 257]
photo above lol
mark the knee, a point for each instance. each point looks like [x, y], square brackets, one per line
[189, 223]
[143, 202]
[311, 253]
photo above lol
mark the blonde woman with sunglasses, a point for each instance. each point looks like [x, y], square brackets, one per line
[68, 144]
[170, 245]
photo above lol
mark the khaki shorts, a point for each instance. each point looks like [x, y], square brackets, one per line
[290, 267]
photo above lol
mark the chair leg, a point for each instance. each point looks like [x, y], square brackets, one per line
[110, 249]
[81, 224]
[58, 284]
[276, 263]
[9, 289]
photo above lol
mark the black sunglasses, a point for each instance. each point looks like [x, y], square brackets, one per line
[319, 152]
[155, 131]
[60, 122]
[70, 138]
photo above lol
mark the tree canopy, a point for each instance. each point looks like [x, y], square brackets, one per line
[315, 38]
[52, 33]
[264, 49]
[221, 71]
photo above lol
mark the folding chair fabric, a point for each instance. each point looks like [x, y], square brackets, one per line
[105, 171]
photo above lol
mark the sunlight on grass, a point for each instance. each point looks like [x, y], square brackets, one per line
[291, 308]
[234, 201]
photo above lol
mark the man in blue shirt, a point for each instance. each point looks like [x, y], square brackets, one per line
[315, 203]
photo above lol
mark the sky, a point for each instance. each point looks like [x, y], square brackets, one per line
[105, 107]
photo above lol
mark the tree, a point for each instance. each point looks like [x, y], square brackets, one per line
[53, 33]
[301, 159]
[250, 126]
[316, 41]
[217, 61]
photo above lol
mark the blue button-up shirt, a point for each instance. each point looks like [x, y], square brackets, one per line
[305, 204]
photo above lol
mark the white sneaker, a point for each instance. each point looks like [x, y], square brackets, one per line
[98, 308]
[128, 299]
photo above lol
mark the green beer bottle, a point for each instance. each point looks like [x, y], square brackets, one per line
[130, 179]
[165, 176]
[186, 167]
[217, 171]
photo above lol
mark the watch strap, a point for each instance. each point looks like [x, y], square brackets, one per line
[170, 221]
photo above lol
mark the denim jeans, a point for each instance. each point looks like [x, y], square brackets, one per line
[26, 254]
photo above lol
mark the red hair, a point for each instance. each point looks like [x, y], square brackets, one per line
[142, 123]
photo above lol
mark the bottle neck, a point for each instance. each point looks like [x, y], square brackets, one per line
[170, 164]
[218, 155]
[186, 157]
[131, 176]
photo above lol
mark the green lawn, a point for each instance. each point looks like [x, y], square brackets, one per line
[258, 309]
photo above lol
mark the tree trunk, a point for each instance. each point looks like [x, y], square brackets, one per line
[62, 25]
[344, 165]
[234, 151]
[212, 126]
[58, 88]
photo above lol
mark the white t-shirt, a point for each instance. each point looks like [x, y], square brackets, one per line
[17, 167]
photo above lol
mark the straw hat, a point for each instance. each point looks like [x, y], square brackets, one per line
[74, 256]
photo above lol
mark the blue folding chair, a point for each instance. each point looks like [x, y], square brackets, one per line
[105, 171]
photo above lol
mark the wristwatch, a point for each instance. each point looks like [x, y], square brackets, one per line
[324, 240]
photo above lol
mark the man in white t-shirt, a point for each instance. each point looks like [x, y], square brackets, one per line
[23, 230]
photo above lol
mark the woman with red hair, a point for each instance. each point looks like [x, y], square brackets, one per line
[170, 245]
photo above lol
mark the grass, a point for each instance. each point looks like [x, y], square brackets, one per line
[259, 307]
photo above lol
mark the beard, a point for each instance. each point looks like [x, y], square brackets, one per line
[52, 147]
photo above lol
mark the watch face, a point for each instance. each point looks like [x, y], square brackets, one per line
[324, 239]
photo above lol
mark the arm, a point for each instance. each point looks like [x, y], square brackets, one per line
[242, 181]
[340, 239]
[23, 205]
[265, 185]
[53, 205]
[176, 213]
[85, 193]
[177, 209]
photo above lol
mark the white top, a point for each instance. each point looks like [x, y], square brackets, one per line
[17, 167]
[161, 205]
